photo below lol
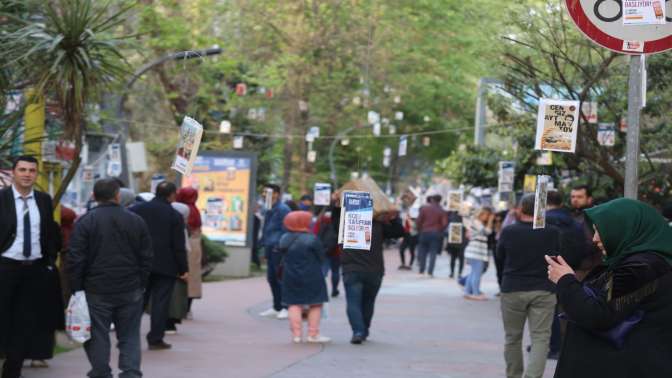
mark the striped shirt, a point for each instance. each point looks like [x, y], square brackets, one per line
[477, 248]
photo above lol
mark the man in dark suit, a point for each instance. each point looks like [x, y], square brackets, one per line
[31, 308]
[166, 227]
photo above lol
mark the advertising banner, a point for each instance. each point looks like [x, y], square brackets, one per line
[356, 220]
[540, 197]
[224, 185]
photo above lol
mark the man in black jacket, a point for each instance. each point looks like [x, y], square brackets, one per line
[363, 272]
[31, 307]
[166, 227]
[527, 294]
[110, 258]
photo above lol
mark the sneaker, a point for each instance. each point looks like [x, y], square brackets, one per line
[553, 355]
[335, 293]
[171, 331]
[402, 267]
[268, 313]
[357, 339]
[296, 340]
[282, 314]
[39, 364]
[160, 346]
[319, 339]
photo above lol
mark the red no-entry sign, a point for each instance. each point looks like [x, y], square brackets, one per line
[602, 22]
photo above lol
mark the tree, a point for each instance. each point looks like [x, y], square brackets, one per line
[68, 52]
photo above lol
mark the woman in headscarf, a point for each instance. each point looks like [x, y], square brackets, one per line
[189, 196]
[302, 280]
[619, 317]
[179, 301]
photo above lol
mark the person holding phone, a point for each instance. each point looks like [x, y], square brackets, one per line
[619, 315]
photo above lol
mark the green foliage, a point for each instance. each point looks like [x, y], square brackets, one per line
[213, 254]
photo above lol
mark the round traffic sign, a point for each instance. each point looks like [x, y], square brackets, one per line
[602, 22]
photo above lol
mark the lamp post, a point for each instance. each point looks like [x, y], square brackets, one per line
[121, 115]
[480, 121]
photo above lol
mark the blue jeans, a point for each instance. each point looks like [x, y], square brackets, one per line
[333, 264]
[273, 260]
[125, 310]
[473, 284]
[429, 244]
[361, 289]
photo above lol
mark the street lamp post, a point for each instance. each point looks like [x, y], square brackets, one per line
[121, 115]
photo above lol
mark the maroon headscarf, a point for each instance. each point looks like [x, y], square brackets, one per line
[188, 196]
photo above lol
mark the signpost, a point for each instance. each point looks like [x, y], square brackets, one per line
[602, 22]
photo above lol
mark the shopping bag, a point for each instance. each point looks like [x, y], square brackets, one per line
[77, 319]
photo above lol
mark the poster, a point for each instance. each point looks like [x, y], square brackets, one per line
[156, 180]
[426, 141]
[187, 146]
[373, 117]
[530, 184]
[87, 174]
[545, 158]
[238, 142]
[393, 130]
[606, 134]
[223, 184]
[114, 152]
[376, 129]
[356, 220]
[506, 176]
[589, 110]
[312, 156]
[322, 194]
[455, 233]
[399, 116]
[455, 198]
[540, 202]
[268, 198]
[557, 123]
[644, 12]
[403, 145]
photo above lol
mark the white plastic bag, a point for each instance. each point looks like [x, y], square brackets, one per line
[77, 320]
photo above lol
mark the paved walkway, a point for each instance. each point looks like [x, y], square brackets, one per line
[422, 328]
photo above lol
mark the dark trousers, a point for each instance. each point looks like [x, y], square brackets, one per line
[159, 291]
[429, 245]
[274, 260]
[456, 255]
[23, 291]
[125, 311]
[556, 332]
[361, 289]
[333, 264]
[409, 242]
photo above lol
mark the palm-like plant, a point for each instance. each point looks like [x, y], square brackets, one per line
[68, 51]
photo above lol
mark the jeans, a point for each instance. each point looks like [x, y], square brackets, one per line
[537, 308]
[125, 311]
[410, 242]
[361, 289]
[473, 283]
[274, 260]
[333, 264]
[430, 243]
[159, 291]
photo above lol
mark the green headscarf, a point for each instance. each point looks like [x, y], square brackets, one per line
[628, 226]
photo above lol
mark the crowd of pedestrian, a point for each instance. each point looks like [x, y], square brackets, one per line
[595, 280]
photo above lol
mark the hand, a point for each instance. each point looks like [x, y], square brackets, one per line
[557, 268]
[185, 276]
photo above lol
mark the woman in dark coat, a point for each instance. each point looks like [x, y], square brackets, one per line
[619, 317]
[302, 279]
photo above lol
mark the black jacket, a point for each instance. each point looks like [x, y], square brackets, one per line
[166, 227]
[50, 233]
[572, 237]
[641, 282]
[110, 251]
[371, 261]
[520, 252]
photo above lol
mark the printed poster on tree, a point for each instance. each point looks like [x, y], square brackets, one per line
[455, 233]
[187, 147]
[455, 198]
[356, 220]
[606, 134]
[557, 124]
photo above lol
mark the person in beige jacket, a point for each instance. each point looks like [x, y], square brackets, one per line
[189, 196]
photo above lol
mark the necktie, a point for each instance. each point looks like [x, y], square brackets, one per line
[26, 228]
